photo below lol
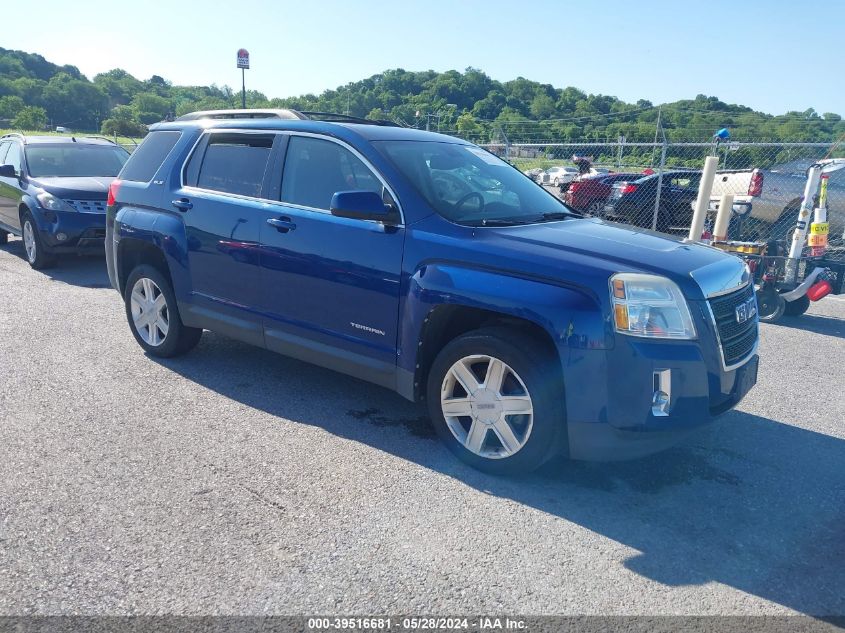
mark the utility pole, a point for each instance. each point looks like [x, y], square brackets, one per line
[656, 132]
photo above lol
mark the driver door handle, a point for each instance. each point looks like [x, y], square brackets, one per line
[183, 204]
[283, 224]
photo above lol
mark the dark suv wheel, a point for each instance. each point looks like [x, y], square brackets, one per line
[154, 316]
[4, 237]
[492, 402]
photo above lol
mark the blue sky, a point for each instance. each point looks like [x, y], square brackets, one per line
[757, 52]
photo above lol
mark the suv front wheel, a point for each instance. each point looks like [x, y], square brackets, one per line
[33, 245]
[494, 402]
[154, 316]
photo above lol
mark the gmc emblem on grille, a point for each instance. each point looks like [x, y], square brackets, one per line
[746, 310]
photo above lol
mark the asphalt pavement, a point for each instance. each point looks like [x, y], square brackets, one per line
[236, 481]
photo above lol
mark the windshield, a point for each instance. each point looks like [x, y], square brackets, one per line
[70, 160]
[468, 185]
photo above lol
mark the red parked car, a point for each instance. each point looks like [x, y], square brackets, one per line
[590, 194]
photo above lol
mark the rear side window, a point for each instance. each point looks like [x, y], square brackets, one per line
[316, 169]
[145, 161]
[235, 163]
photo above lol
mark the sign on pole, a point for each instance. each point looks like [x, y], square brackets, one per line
[243, 58]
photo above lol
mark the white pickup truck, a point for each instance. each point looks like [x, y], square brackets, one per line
[774, 197]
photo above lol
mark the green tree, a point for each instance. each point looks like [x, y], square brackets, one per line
[10, 106]
[30, 118]
[150, 107]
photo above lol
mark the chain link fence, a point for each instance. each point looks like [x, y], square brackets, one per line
[654, 185]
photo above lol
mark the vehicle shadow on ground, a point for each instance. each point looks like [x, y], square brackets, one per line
[819, 324]
[754, 503]
[85, 271]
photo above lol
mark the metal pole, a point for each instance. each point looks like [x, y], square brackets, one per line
[243, 88]
[659, 184]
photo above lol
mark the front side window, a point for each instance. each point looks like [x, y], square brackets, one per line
[73, 160]
[4, 147]
[235, 163]
[468, 185]
[13, 157]
[316, 169]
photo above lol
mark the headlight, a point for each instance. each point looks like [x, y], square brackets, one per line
[52, 203]
[650, 306]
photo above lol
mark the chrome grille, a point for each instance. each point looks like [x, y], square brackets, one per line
[738, 340]
[88, 206]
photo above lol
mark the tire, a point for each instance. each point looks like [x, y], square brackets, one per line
[165, 336]
[798, 307]
[33, 246]
[524, 367]
[770, 305]
[4, 237]
[596, 209]
[557, 182]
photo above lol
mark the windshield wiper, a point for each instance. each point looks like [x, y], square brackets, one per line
[500, 222]
[557, 215]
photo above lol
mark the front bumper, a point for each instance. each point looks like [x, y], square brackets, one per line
[81, 232]
[610, 394]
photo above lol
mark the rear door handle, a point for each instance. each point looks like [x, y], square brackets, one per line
[183, 204]
[283, 224]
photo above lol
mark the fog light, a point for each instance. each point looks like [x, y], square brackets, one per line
[662, 398]
[61, 237]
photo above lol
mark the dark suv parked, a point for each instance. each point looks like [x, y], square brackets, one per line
[427, 265]
[53, 193]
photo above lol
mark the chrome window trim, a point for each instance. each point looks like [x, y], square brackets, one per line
[719, 337]
[282, 203]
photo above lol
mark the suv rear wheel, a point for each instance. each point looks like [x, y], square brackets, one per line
[4, 237]
[154, 316]
[492, 403]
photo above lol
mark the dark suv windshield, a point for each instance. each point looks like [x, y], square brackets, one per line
[70, 160]
[468, 185]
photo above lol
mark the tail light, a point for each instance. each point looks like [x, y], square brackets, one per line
[575, 186]
[628, 188]
[819, 290]
[114, 187]
[755, 187]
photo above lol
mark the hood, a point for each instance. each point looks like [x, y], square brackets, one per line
[595, 248]
[78, 188]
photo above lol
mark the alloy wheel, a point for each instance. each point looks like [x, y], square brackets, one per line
[149, 312]
[486, 406]
[29, 241]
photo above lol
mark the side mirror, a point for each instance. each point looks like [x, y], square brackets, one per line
[362, 205]
[8, 171]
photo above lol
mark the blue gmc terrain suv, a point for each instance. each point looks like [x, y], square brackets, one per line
[53, 193]
[425, 264]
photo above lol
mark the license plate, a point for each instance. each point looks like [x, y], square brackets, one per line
[747, 377]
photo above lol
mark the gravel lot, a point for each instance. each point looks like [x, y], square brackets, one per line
[236, 481]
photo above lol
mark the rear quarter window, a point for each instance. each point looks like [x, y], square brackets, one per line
[145, 161]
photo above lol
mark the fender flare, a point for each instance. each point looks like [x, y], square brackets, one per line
[161, 231]
[572, 316]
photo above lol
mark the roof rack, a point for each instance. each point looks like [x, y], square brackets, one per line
[280, 113]
[97, 136]
[345, 118]
[18, 134]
